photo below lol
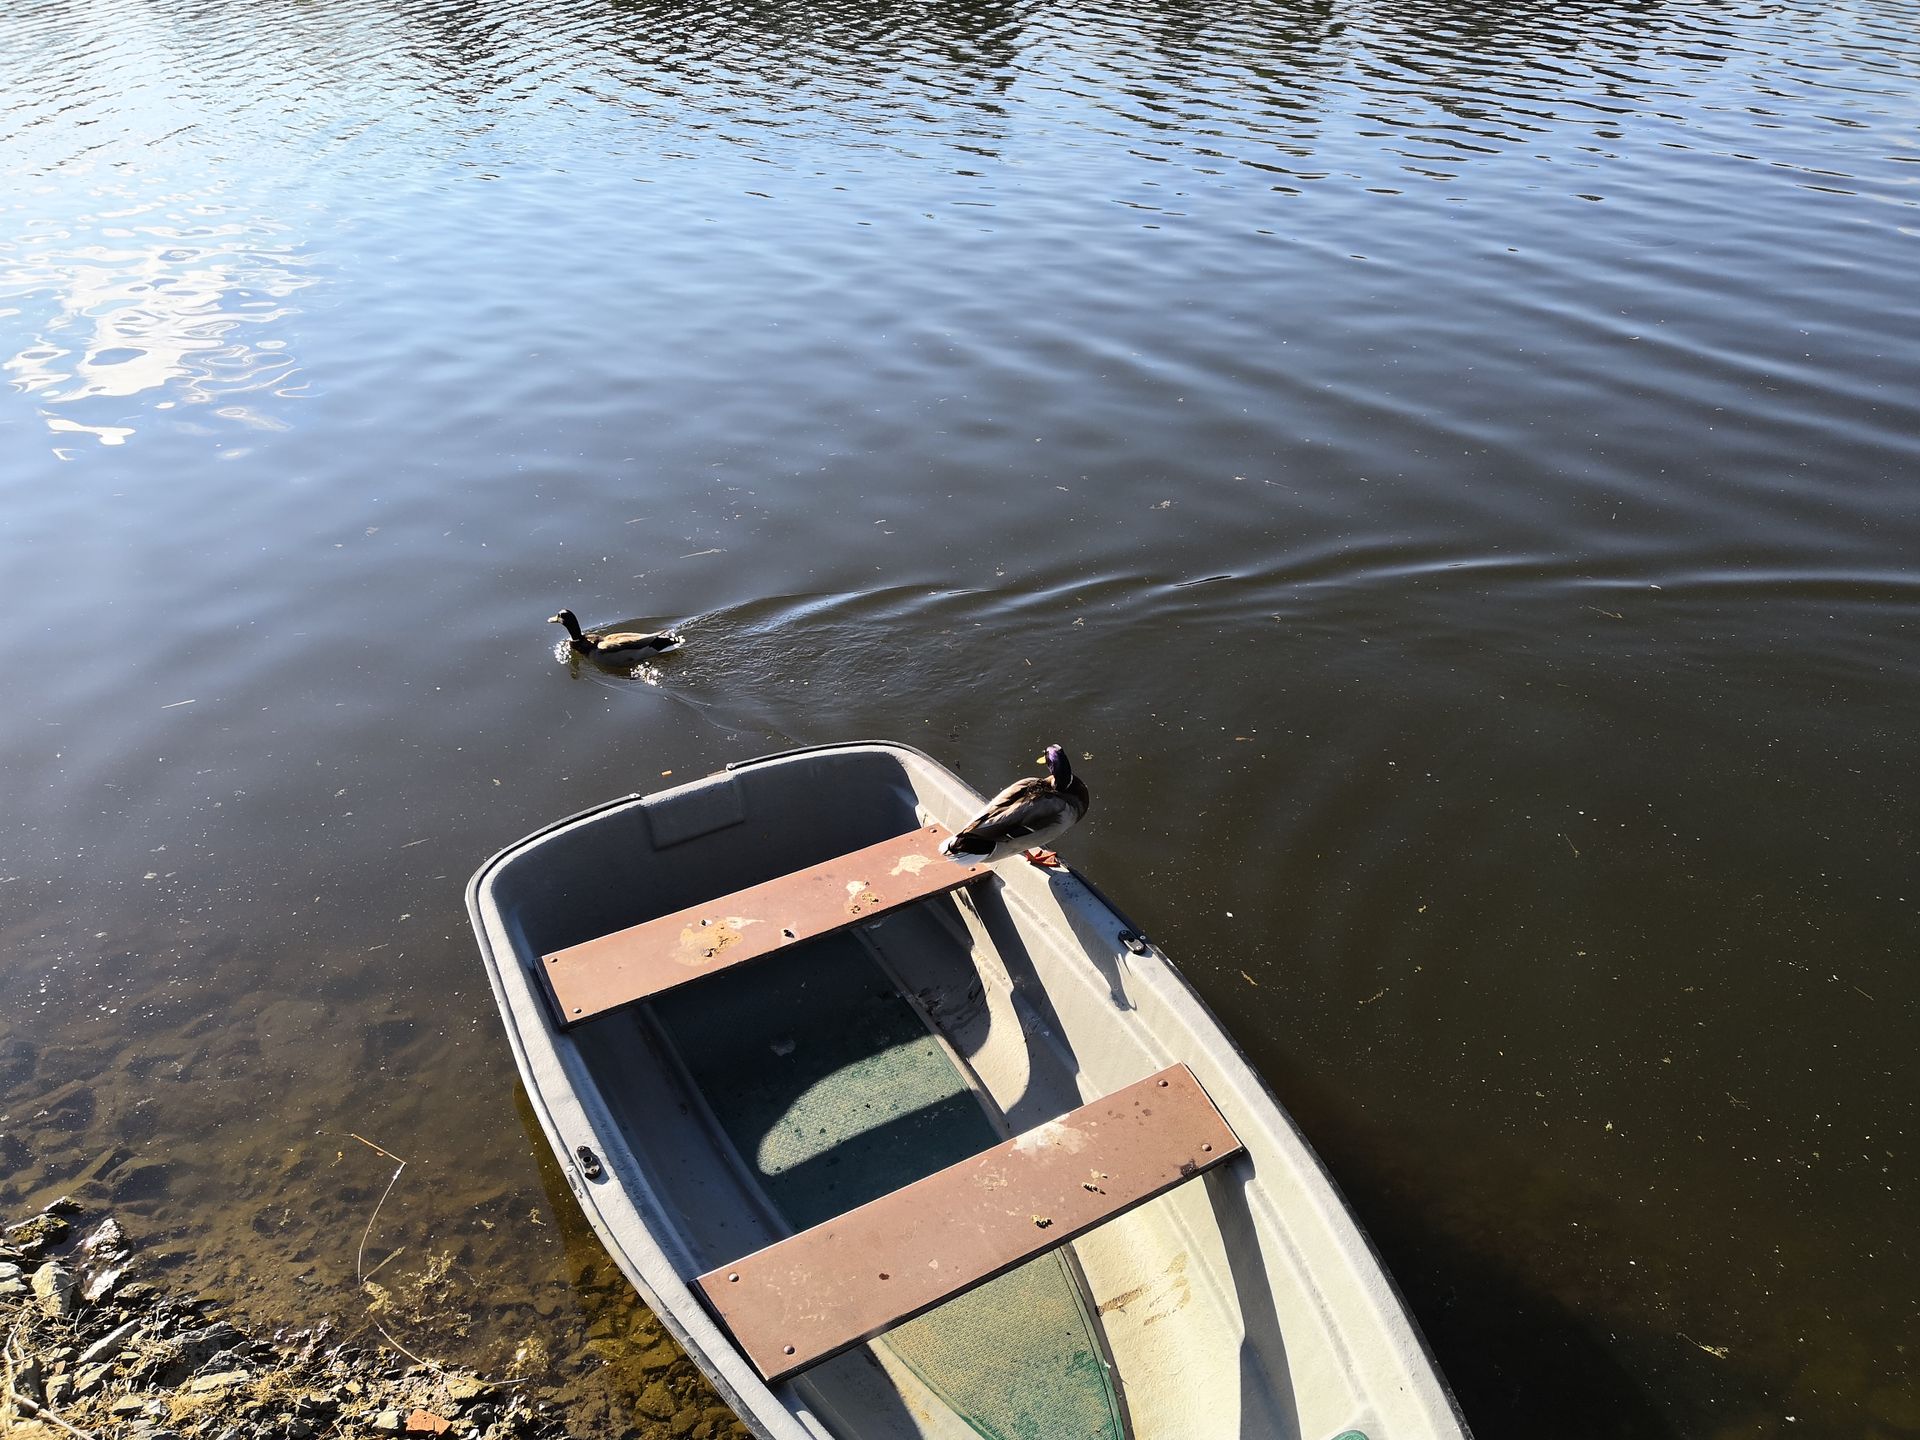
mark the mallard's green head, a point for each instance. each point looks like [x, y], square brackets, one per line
[1058, 767]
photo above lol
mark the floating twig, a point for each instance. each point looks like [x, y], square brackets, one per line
[383, 1264]
[380, 1150]
[360, 1256]
[361, 1274]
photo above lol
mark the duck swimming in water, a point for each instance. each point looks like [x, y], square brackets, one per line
[1024, 817]
[613, 645]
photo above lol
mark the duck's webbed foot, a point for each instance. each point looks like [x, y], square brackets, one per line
[1045, 859]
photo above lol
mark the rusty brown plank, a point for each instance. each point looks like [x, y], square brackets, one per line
[848, 1279]
[645, 960]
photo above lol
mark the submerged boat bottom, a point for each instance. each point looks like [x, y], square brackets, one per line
[834, 1092]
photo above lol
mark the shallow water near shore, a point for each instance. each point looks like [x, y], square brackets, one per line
[1447, 474]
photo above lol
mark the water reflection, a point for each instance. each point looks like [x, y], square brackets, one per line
[169, 297]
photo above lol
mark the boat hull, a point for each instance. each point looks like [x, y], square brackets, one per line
[1245, 1303]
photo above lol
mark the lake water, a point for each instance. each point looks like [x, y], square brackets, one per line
[1450, 475]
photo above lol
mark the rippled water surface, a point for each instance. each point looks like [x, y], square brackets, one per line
[1450, 471]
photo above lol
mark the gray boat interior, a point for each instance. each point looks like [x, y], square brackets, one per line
[738, 1109]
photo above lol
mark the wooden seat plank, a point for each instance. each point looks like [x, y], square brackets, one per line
[648, 959]
[826, 1289]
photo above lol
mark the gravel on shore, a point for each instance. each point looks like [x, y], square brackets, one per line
[92, 1350]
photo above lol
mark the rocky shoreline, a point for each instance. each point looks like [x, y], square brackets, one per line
[93, 1350]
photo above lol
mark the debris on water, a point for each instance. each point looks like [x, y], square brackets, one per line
[530, 1357]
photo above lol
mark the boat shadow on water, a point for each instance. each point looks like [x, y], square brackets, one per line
[1521, 1361]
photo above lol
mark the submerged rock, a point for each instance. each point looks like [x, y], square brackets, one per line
[140, 1180]
[466, 1387]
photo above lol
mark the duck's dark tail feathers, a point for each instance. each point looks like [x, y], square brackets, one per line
[957, 847]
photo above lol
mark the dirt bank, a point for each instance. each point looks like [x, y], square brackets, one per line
[94, 1349]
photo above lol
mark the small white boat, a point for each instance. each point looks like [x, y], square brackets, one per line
[898, 1147]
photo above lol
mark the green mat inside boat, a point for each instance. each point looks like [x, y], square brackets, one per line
[834, 1092]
